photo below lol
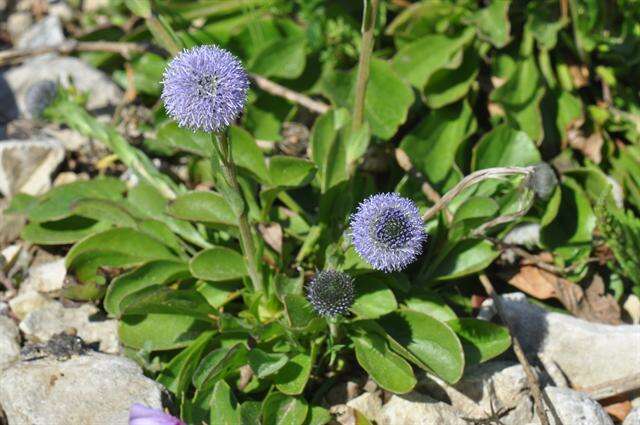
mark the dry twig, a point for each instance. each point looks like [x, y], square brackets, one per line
[536, 392]
[613, 388]
[291, 95]
[14, 56]
[472, 179]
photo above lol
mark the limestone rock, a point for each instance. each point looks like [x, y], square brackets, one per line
[369, 404]
[93, 389]
[26, 165]
[417, 409]
[633, 418]
[46, 32]
[611, 352]
[575, 408]
[46, 277]
[26, 302]
[53, 318]
[9, 342]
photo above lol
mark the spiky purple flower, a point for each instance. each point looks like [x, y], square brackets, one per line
[143, 415]
[388, 231]
[205, 88]
[331, 292]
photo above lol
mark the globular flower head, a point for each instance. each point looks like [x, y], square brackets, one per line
[331, 292]
[205, 88]
[39, 95]
[388, 232]
[143, 415]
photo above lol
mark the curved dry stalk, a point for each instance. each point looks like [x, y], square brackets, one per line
[470, 180]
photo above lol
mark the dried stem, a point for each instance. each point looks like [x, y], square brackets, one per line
[472, 179]
[13, 56]
[246, 236]
[613, 388]
[368, 28]
[293, 96]
[538, 394]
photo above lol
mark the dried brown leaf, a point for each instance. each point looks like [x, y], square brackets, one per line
[272, 234]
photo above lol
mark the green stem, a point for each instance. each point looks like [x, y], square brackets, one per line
[246, 237]
[368, 27]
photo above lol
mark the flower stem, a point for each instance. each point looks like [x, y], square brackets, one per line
[233, 195]
[368, 27]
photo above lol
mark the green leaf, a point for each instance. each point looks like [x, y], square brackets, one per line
[140, 8]
[570, 232]
[293, 377]
[318, 416]
[432, 145]
[284, 58]
[218, 364]
[224, 406]
[201, 206]
[480, 339]
[430, 303]
[265, 364]
[462, 258]
[218, 294]
[123, 247]
[179, 139]
[160, 299]
[62, 232]
[387, 99]
[492, 23]
[159, 272]
[176, 376]
[281, 409]
[247, 154]
[390, 371]
[288, 171]
[416, 67]
[328, 149]
[429, 340]
[218, 264]
[147, 74]
[113, 212]
[300, 314]
[520, 98]
[251, 412]
[447, 86]
[504, 147]
[158, 332]
[373, 298]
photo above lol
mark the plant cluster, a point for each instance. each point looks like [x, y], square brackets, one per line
[251, 267]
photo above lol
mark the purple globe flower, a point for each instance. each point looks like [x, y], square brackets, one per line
[388, 231]
[331, 292]
[205, 88]
[143, 415]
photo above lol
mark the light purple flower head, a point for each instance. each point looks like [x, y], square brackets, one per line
[205, 88]
[388, 232]
[143, 415]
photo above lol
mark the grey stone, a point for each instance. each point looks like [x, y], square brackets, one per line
[506, 380]
[369, 404]
[18, 23]
[575, 408]
[46, 277]
[26, 165]
[9, 342]
[93, 389]
[47, 32]
[26, 302]
[609, 352]
[633, 418]
[417, 409]
[53, 318]
[102, 92]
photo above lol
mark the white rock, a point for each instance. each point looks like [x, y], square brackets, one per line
[26, 302]
[369, 404]
[94, 389]
[632, 307]
[527, 234]
[633, 418]
[53, 318]
[575, 408]
[47, 32]
[18, 23]
[417, 409]
[26, 165]
[587, 353]
[9, 342]
[507, 379]
[66, 70]
[46, 277]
